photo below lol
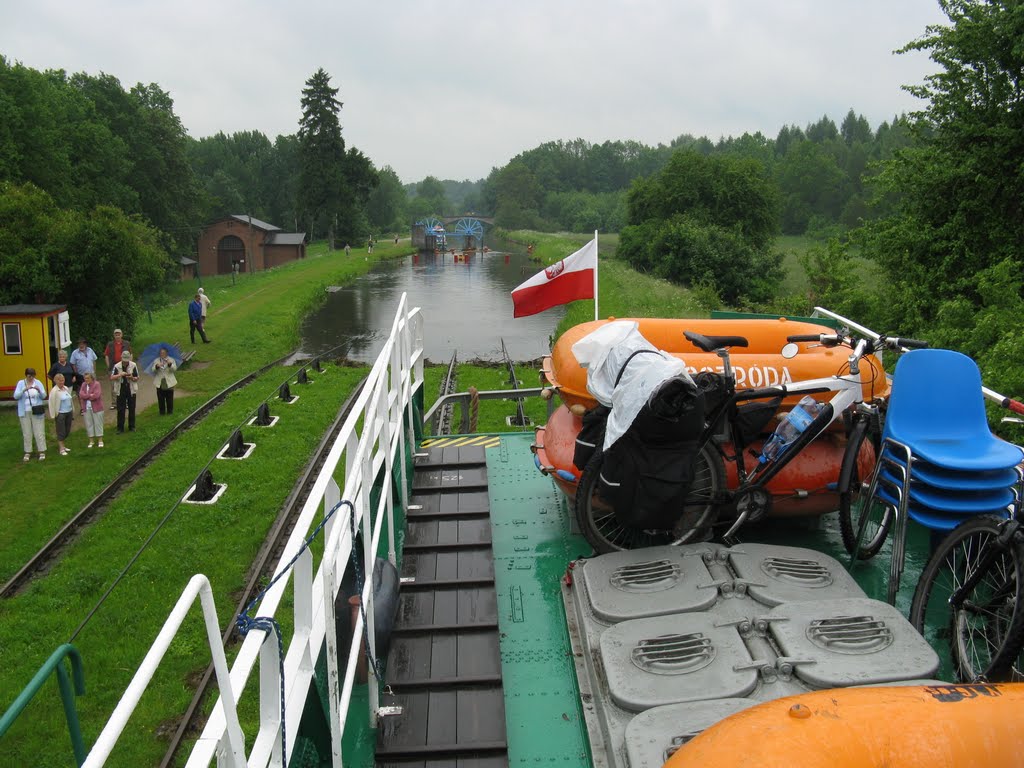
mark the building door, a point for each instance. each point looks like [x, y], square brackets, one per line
[230, 250]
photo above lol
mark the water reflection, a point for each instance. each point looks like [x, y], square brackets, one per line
[466, 304]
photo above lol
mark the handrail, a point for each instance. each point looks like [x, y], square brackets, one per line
[371, 445]
[1000, 400]
[463, 398]
[67, 695]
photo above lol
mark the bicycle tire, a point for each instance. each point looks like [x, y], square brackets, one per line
[985, 634]
[852, 498]
[600, 528]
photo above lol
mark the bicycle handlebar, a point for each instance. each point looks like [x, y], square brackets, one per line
[896, 341]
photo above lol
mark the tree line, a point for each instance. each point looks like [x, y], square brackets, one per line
[102, 189]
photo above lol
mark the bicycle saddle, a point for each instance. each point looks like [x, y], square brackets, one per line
[711, 343]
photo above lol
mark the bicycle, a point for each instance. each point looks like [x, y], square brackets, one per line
[750, 501]
[969, 595]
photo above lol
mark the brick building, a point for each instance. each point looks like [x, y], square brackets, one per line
[254, 244]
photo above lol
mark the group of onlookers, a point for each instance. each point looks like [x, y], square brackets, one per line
[75, 375]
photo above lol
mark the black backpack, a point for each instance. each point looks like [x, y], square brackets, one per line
[646, 473]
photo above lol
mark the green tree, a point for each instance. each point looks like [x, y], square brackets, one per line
[708, 221]
[100, 263]
[958, 193]
[321, 154]
[387, 205]
[430, 199]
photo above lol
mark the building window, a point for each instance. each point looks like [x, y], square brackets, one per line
[12, 339]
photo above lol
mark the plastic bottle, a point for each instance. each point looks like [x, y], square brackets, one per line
[789, 429]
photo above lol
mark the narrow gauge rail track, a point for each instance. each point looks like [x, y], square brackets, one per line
[266, 562]
[447, 387]
[47, 555]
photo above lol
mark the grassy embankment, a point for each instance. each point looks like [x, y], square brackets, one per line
[251, 323]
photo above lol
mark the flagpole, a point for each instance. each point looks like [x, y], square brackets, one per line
[596, 316]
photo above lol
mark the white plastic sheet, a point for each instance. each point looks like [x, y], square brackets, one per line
[604, 352]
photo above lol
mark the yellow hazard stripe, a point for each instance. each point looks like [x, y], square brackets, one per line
[487, 441]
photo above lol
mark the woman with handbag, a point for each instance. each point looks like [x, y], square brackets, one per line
[30, 394]
[62, 410]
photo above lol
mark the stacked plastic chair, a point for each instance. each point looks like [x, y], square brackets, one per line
[940, 462]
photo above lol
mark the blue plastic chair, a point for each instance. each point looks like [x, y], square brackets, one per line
[940, 462]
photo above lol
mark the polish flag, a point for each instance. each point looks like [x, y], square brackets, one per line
[572, 278]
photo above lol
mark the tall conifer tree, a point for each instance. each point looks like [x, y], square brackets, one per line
[321, 154]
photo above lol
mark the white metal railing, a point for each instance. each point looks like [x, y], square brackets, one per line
[373, 441]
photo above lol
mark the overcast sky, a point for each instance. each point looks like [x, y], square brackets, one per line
[452, 88]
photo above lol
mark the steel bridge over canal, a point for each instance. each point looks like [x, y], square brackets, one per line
[459, 232]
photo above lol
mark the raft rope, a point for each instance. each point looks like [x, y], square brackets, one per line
[245, 623]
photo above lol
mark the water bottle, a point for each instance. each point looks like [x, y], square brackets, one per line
[789, 429]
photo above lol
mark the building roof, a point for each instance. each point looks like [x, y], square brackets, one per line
[245, 219]
[31, 309]
[285, 238]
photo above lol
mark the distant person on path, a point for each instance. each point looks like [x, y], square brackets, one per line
[165, 380]
[112, 354]
[126, 377]
[195, 319]
[205, 301]
[90, 395]
[62, 410]
[30, 394]
[369, 246]
[396, 239]
[348, 249]
[83, 360]
[62, 366]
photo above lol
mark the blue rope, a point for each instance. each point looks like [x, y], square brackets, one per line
[360, 581]
[245, 622]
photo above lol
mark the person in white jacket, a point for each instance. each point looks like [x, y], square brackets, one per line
[30, 394]
[165, 380]
[125, 378]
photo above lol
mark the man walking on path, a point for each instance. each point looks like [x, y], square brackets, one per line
[112, 354]
[205, 301]
[348, 249]
[195, 319]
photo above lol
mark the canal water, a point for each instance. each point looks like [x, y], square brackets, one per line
[466, 303]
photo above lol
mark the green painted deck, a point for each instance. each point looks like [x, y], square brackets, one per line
[532, 544]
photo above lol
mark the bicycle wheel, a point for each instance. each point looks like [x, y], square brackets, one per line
[984, 631]
[605, 533]
[853, 503]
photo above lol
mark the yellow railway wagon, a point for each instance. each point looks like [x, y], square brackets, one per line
[32, 334]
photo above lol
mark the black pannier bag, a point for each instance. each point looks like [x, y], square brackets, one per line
[591, 436]
[646, 473]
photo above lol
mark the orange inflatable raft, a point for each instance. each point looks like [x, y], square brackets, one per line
[761, 364]
[959, 726]
[805, 487]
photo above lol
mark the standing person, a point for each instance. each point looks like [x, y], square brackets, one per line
[90, 395]
[369, 246]
[62, 410]
[205, 301]
[30, 394]
[126, 378]
[83, 360]
[195, 320]
[163, 369]
[112, 354]
[348, 249]
[61, 366]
